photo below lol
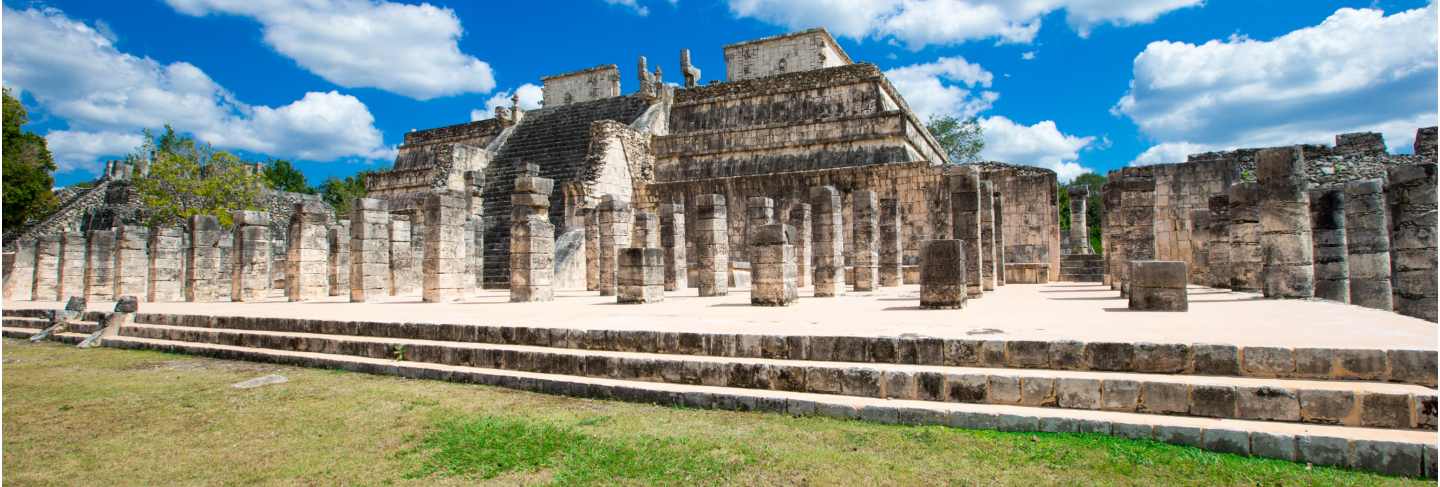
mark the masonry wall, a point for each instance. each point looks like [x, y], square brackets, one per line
[1029, 213]
[801, 51]
[581, 86]
[1180, 191]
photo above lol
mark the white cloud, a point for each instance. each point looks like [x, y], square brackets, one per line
[640, 10]
[918, 23]
[106, 97]
[412, 50]
[1169, 152]
[1028, 55]
[530, 95]
[1358, 70]
[1041, 144]
[948, 86]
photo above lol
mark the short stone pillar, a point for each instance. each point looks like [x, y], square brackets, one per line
[1027, 273]
[1218, 251]
[1410, 197]
[100, 266]
[72, 265]
[865, 218]
[47, 269]
[647, 231]
[1246, 259]
[987, 236]
[759, 211]
[252, 256]
[166, 260]
[337, 263]
[1367, 244]
[1285, 240]
[804, 235]
[1000, 239]
[403, 279]
[615, 222]
[532, 238]
[1327, 222]
[641, 275]
[712, 245]
[1158, 285]
[131, 265]
[1137, 209]
[20, 282]
[369, 249]
[203, 264]
[1112, 232]
[443, 258]
[964, 187]
[942, 274]
[672, 242]
[828, 231]
[890, 251]
[307, 252]
[772, 263]
[1079, 233]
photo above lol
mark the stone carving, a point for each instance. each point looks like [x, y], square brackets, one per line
[988, 268]
[1246, 258]
[691, 73]
[204, 262]
[800, 220]
[100, 265]
[964, 187]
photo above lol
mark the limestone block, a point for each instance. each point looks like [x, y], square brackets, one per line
[1024, 272]
[72, 265]
[647, 230]
[47, 268]
[964, 188]
[800, 220]
[890, 249]
[865, 218]
[369, 242]
[1246, 258]
[641, 276]
[988, 268]
[615, 225]
[1367, 241]
[712, 245]
[307, 252]
[672, 241]
[204, 264]
[131, 265]
[444, 253]
[20, 277]
[251, 277]
[1285, 232]
[1410, 195]
[773, 267]
[942, 274]
[1158, 285]
[100, 265]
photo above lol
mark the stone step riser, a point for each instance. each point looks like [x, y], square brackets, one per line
[1261, 403]
[1407, 458]
[74, 327]
[1404, 366]
[24, 333]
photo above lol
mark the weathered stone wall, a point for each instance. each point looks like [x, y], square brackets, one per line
[1410, 197]
[166, 262]
[1030, 213]
[581, 86]
[786, 53]
[1180, 191]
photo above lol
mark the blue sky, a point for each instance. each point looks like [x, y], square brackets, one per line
[1073, 85]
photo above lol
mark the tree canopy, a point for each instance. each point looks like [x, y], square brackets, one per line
[962, 140]
[189, 178]
[27, 168]
[340, 193]
[282, 176]
[1094, 206]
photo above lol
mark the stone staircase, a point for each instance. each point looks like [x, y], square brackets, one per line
[1082, 267]
[1373, 410]
[24, 323]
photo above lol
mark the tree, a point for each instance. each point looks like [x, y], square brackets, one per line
[282, 176]
[27, 167]
[340, 193]
[189, 178]
[1093, 206]
[962, 140]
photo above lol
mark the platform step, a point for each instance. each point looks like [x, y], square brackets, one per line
[1395, 452]
[85, 327]
[1367, 404]
[68, 337]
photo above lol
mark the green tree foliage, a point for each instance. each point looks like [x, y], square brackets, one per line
[282, 176]
[1093, 206]
[27, 166]
[962, 140]
[189, 178]
[339, 193]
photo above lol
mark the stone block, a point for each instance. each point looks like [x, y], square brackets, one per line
[942, 274]
[1273, 445]
[1326, 406]
[1227, 441]
[1267, 403]
[1164, 398]
[1079, 393]
[1380, 410]
[1119, 395]
[1212, 401]
[1389, 458]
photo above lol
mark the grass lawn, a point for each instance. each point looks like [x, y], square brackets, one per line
[113, 417]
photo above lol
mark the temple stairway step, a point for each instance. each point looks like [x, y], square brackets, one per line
[1352, 403]
[68, 337]
[1395, 452]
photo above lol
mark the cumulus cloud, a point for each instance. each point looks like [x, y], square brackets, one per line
[1028, 55]
[1041, 144]
[633, 5]
[1358, 70]
[918, 23]
[412, 50]
[530, 95]
[947, 86]
[107, 96]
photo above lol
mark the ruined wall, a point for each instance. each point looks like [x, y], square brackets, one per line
[1182, 190]
[788, 53]
[1029, 214]
[580, 86]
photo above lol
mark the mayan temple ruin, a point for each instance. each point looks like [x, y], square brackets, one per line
[788, 237]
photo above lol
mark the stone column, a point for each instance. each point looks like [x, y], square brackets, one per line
[1246, 259]
[987, 235]
[592, 249]
[203, 264]
[46, 286]
[759, 211]
[1327, 221]
[1079, 233]
[1112, 231]
[1367, 244]
[641, 275]
[165, 263]
[402, 257]
[1410, 198]
[828, 241]
[890, 251]
[1158, 285]
[712, 245]
[1137, 210]
[72, 265]
[100, 266]
[338, 260]
[772, 260]
[20, 282]
[252, 256]
[443, 265]
[532, 238]
[1218, 251]
[369, 249]
[800, 221]
[999, 202]
[225, 280]
[615, 222]
[307, 255]
[865, 217]
[942, 274]
[474, 255]
[647, 231]
[964, 187]
[131, 262]
[1285, 240]
[672, 241]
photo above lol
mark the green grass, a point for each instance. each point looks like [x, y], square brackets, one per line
[115, 417]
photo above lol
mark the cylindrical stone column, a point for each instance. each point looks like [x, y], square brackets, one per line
[307, 254]
[1410, 198]
[444, 258]
[20, 282]
[532, 238]
[1218, 251]
[942, 274]
[964, 187]
[999, 203]
[672, 241]
[640, 275]
[1246, 259]
[800, 221]
[252, 256]
[1285, 240]
[1327, 221]
[865, 217]
[369, 249]
[615, 222]
[772, 261]
[402, 257]
[1079, 233]
[131, 264]
[72, 265]
[890, 251]
[987, 235]
[338, 261]
[47, 268]
[203, 262]
[1367, 243]
[828, 241]
[712, 245]
[165, 266]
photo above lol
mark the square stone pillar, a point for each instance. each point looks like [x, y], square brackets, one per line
[307, 252]
[20, 282]
[772, 263]
[1158, 285]
[1367, 244]
[72, 265]
[942, 274]
[712, 245]
[132, 265]
[592, 249]
[1218, 251]
[646, 234]
[759, 211]
[100, 266]
[47, 269]
[252, 256]
[1137, 211]
[615, 225]
[800, 221]
[1079, 233]
[641, 275]
[828, 241]
[999, 202]
[672, 241]
[532, 238]
[228, 263]
[1285, 239]
[1410, 198]
[865, 216]
[337, 263]
[890, 251]
[402, 277]
[165, 264]
[369, 249]
[1245, 257]
[1112, 231]
[443, 266]
[988, 268]
[203, 264]
[474, 255]
[964, 187]
[1327, 222]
